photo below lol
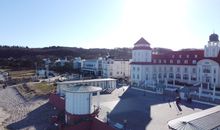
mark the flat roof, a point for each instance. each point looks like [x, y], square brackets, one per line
[88, 80]
[82, 89]
[204, 120]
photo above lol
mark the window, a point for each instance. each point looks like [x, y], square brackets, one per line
[170, 75]
[154, 68]
[159, 69]
[185, 70]
[171, 61]
[180, 56]
[138, 68]
[178, 61]
[193, 77]
[178, 69]
[185, 61]
[146, 76]
[187, 56]
[165, 75]
[164, 61]
[214, 71]
[214, 80]
[146, 68]
[155, 61]
[194, 62]
[196, 56]
[159, 61]
[178, 76]
[133, 68]
[160, 76]
[154, 76]
[206, 69]
[194, 70]
[173, 56]
[133, 76]
[171, 69]
[137, 76]
[185, 77]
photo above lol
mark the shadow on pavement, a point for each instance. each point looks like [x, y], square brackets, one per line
[38, 118]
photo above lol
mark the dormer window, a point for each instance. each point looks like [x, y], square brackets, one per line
[180, 56]
[194, 61]
[178, 61]
[164, 61]
[196, 56]
[155, 61]
[159, 61]
[185, 61]
[171, 61]
[173, 56]
[187, 56]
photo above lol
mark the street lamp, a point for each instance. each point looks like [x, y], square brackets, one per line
[125, 124]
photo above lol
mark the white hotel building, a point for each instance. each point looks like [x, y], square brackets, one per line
[199, 67]
[116, 68]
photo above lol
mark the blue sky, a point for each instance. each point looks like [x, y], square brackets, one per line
[172, 24]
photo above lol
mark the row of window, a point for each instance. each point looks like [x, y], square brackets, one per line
[187, 56]
[178, 69]
[171, 75]
[172, 61]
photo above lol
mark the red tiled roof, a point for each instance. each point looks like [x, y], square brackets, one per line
[177, 58]
[142, 48]
[142, 41]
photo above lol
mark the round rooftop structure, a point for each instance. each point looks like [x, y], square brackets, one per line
[78, 99]
[213, 38]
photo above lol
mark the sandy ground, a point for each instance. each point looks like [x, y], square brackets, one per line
[3, 116]
[16, 113]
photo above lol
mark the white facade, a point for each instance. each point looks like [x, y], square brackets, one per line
[77, 63]
[190, 67]
[78, 103]
[92, 67]
[116, 68]
[107, 83]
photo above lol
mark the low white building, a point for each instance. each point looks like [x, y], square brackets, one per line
[107, 83]
[116, 68]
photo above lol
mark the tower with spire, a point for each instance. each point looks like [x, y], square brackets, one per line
[142, 51]
[213, 46]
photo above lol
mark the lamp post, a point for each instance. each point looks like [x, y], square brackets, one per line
[107, 116]
[125, 124]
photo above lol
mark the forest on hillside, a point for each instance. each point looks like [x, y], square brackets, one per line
[23, 57]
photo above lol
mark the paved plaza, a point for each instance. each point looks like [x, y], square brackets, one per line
[143, 110]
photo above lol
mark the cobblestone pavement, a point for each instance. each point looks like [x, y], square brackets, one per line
[143, 111]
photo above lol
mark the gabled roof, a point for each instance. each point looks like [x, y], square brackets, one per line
[177, 57]
[142, 41]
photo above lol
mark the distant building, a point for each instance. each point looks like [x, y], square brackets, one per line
[61, 62]
[41, 72]
[77, 63]
[116, 68]
[199, 67]
[92, 67]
